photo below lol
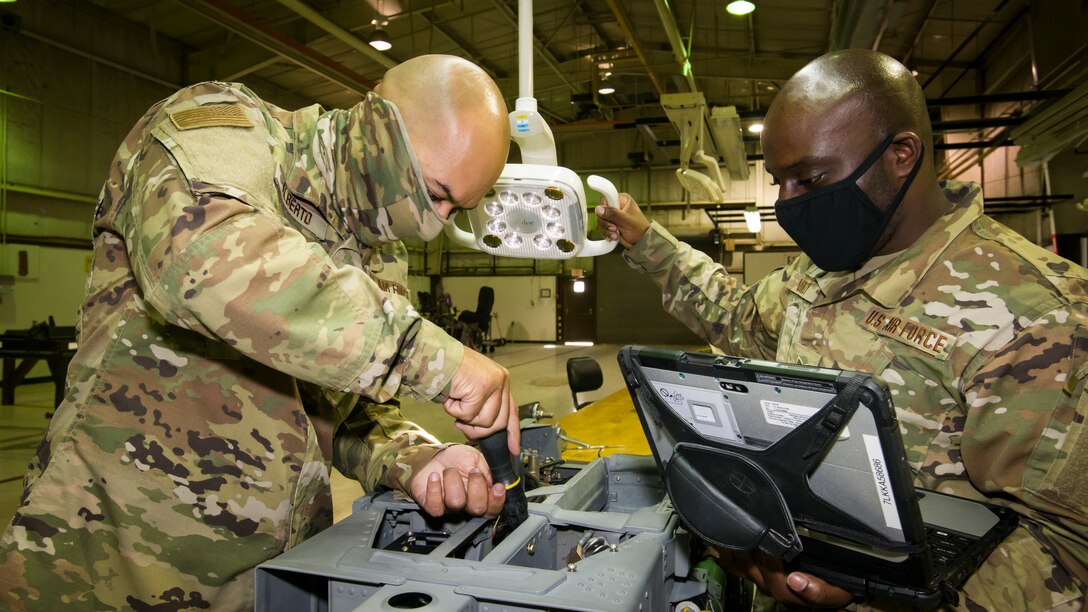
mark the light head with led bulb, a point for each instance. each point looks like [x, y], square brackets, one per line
[537, 209]
[537, 212]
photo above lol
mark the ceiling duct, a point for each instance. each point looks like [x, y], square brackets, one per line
[687, 111]
[703, 138]
[1053, 129]
[729, 140]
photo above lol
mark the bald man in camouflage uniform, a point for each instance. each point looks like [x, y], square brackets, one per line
[248, 292]
[980, 334]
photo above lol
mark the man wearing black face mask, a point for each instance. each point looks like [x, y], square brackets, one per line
[978, 333]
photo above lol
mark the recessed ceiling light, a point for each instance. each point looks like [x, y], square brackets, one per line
[740, 7]
[755, 128]
[604, 91]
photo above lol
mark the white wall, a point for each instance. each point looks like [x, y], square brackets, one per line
[53, 286]
[522, 314]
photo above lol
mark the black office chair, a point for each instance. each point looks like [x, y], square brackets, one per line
[583, 374]
[427, 306]
[476, 324]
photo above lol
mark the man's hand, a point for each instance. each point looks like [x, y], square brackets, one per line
[627, 223]
[457, 479]
[481, 402]
[770, 577]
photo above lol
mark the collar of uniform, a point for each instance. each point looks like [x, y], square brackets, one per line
[304, 180]
[352, 163]
[890, 283]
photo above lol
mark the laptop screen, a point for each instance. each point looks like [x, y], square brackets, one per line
[737, 438]
[747, 404]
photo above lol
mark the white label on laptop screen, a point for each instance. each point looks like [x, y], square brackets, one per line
[882, 482]
[791, 415]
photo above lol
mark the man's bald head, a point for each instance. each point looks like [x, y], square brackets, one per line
[456, 119]
[882, 89]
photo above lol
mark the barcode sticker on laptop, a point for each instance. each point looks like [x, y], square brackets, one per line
[791, 415]
[882, 482]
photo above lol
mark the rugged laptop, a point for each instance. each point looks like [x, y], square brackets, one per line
[807, 465]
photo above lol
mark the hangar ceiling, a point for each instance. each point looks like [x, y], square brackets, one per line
[987, 66]
[316, 51]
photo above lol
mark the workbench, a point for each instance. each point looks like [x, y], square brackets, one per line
[21, 350]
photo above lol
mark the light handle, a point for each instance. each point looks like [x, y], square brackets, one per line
[593, 248]
[459, 236]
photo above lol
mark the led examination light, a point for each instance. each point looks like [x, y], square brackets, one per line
[537, 209]
[538, 212]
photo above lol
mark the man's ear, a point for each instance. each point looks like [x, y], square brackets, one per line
[907, 147]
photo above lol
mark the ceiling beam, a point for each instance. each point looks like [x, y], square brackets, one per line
[544, 54]
[632, 39]
[594, 23]
[963, 45]
[238, 65]
[672, 31]
[240, 23]
[337, 32]
[466, 48]
[99, 59]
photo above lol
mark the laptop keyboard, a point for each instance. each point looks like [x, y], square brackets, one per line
[946, 546]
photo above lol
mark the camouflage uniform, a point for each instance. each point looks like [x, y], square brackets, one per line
[238, 296]
[982, 338]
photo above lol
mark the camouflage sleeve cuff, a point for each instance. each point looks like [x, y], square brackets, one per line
[654, 251]
[409, 462]
[432, 362]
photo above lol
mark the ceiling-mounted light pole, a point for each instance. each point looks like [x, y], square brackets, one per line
[537, 209]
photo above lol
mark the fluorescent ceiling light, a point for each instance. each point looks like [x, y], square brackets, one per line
[755, 128]
[578, 343]
[740, 7]
[606, 90]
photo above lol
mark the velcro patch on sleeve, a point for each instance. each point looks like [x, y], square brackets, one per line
[804, 287]
[212, 115]
[922, 337]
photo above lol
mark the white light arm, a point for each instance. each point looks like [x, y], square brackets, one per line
[532, 134]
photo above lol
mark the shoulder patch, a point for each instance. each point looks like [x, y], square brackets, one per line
[922, 337]
[212, 115]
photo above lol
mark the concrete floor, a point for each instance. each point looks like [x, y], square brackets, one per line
[537, 373]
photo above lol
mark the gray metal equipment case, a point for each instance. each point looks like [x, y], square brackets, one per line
[606, 539]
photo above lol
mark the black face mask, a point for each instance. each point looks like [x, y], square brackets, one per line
[838, 226]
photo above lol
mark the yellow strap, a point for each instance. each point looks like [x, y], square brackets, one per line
[513, 484]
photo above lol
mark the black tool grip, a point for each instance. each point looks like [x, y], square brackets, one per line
[516, 508]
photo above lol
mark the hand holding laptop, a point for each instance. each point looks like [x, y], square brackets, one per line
[803, 467]
[770, 577]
